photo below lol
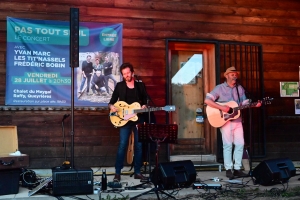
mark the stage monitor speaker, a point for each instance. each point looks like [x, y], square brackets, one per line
[74, 37]
[72, 181]
[273, 171]
[171, 175]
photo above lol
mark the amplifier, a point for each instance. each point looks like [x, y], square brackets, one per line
[72, 181]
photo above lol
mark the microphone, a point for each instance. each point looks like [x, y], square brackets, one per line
[237, 82]
[65, 116]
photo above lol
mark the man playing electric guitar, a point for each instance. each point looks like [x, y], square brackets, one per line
[232, 131]
[129, 91]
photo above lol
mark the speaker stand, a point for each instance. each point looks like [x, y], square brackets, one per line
[168, 134]
[250, 147]
[156, 189]
[250, 166]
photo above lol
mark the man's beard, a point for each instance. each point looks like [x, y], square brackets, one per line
[128, 79]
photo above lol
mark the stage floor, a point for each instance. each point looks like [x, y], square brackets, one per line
[204, 175]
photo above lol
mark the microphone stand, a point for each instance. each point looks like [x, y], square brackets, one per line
[250, 132]
[149, 121]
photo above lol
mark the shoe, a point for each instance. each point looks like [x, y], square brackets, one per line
[229, 174]
[239, 173]
[139, 176]
[94, 94]
[117, 178]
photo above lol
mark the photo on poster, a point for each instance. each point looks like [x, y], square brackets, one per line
[289, 89]
[97, 76]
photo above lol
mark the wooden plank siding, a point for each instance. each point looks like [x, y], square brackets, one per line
[147, 23]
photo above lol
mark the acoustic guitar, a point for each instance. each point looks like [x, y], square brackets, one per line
[218, 118]
[127, 112]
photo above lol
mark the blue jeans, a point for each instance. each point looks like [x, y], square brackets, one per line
[87, 84]
[100, 89]
[125, 132]
[107, 77]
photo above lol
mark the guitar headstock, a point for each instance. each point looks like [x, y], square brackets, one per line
[169, 108]
[267, 100]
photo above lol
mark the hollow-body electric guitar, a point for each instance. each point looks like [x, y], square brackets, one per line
[127, 112]
[218, 118]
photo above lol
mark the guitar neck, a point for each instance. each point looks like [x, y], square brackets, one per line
[245, 106]
[147, 110]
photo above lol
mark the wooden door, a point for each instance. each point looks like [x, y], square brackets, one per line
[187, 97]
[190, 97]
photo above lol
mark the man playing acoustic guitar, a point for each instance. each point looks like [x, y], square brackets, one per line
[232, 131]
[129, 91]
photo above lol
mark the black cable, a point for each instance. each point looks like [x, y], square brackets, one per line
[88, 197]
[116, 191]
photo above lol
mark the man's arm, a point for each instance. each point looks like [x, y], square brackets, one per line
[114, 99]
[213, 104]
[83, 68]
[110, 65]
[93, 80]
[112, 108]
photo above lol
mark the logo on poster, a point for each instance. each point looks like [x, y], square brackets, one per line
[108, 37]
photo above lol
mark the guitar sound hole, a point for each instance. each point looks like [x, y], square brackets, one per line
[230, 111]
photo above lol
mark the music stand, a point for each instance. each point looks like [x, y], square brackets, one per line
[158, 133]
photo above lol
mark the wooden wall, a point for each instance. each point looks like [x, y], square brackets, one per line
[273, 23]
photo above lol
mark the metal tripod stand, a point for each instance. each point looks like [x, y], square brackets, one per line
[158, 133]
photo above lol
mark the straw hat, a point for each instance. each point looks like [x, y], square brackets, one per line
[231, 70]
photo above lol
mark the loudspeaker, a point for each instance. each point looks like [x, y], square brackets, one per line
[72, 181]
[273, 171]
[9, 181]
[178, 174]
[74, 37]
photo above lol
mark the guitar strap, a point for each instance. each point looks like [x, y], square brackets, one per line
[237, 91]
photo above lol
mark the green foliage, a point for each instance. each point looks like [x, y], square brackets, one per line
[292, 192]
